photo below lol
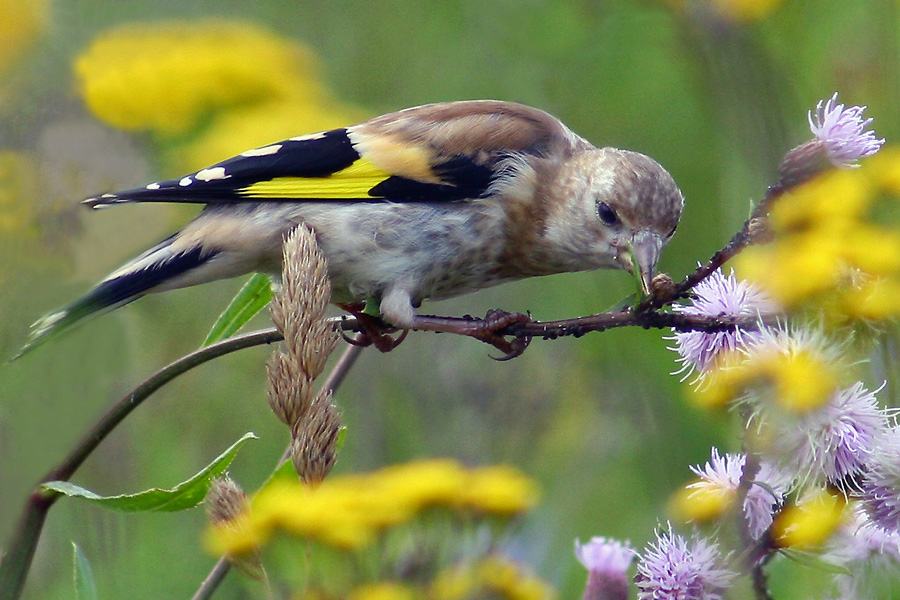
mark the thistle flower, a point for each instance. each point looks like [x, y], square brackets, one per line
[841, 139]
[718, 295]
[722, 476]
[842, 132]
[607, 561]
[880, 489]
[674, 569]
[835, 441]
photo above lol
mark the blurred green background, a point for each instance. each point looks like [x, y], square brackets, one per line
[598, 421]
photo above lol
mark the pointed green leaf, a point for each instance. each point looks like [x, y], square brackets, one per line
[252, 298]
[85, 586]
[185, 495]
[814, 561]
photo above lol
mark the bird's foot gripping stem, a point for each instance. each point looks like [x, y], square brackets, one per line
[489, 329]
[373, 330]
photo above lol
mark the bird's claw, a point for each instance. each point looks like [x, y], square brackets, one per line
[495, 321]
[374, 332]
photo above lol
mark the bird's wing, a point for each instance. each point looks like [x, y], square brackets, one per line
[438, 152]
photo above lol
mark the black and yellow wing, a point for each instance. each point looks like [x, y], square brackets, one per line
[438, 152]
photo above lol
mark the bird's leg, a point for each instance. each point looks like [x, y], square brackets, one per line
[374, 331]
[487, 329]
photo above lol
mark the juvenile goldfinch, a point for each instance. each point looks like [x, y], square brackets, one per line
[428, 202]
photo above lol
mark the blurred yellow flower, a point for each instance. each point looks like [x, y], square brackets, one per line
[382, 591]
[698, 502]
[22, 21]
[496, 576]
[167, 77]
[811, 522]
[835, 246]
[349, 511]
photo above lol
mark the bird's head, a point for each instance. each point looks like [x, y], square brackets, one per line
[616, 209]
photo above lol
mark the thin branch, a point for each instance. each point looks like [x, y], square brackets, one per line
[17, 562]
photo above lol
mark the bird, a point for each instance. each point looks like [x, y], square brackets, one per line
[428, 202]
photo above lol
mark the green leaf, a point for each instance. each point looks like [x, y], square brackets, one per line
[814, 561]
[185, 495]
[85, 586]
[252, 298]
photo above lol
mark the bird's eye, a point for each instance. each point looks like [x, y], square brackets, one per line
[607, 214]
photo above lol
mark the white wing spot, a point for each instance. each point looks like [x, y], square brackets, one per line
[308, 136]
[211, 174]
[264, 151]
[185, 181]
[153, 186]
[108, 196]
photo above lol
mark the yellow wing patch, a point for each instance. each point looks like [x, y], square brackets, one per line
[396, 156]
[352, 182]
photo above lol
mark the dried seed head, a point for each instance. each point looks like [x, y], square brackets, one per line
[225, 500]
[290, 388]
[314, 440]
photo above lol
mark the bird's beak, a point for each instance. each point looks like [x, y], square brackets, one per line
[641, 256]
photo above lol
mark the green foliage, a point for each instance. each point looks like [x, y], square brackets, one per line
[186, 494]
[85, 586]
[252, 298]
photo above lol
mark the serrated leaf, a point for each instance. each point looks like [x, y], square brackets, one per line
[814, 561]
[85, 586]
[252, 298]
[184, 495]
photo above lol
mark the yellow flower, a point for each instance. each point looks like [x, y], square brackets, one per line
[166, 77]
[834, 198]
[22, 21]
[349, 511]
[701, 502]
[495, 576]
[877, 299]
[498, 490]
[385, 590]
[884, 168]
[810, 523]
[802, 380]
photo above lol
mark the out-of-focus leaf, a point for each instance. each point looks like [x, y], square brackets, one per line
[251, 299]
[185, 495]
[814, 561]
[85, 586]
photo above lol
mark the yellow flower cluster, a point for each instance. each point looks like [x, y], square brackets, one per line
[349, 511]
[22, 21]
[491, 577]
[797, 373]
[836, 249]
[811, 522]
[219, 87]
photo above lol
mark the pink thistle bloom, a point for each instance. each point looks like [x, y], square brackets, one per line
[607, 561]
[716, 296]
[843, 132]
[880, 493]
[768, 489]
[671, 568]
[838, 440]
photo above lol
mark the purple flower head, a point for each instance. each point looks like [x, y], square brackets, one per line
[718, 295]
[770, 486]
[836, 441]
[842, 132]
[880, 493]
[868, 552]
[607, 561]
[671, 568]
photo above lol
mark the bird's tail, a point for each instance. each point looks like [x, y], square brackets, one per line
[157, 267]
